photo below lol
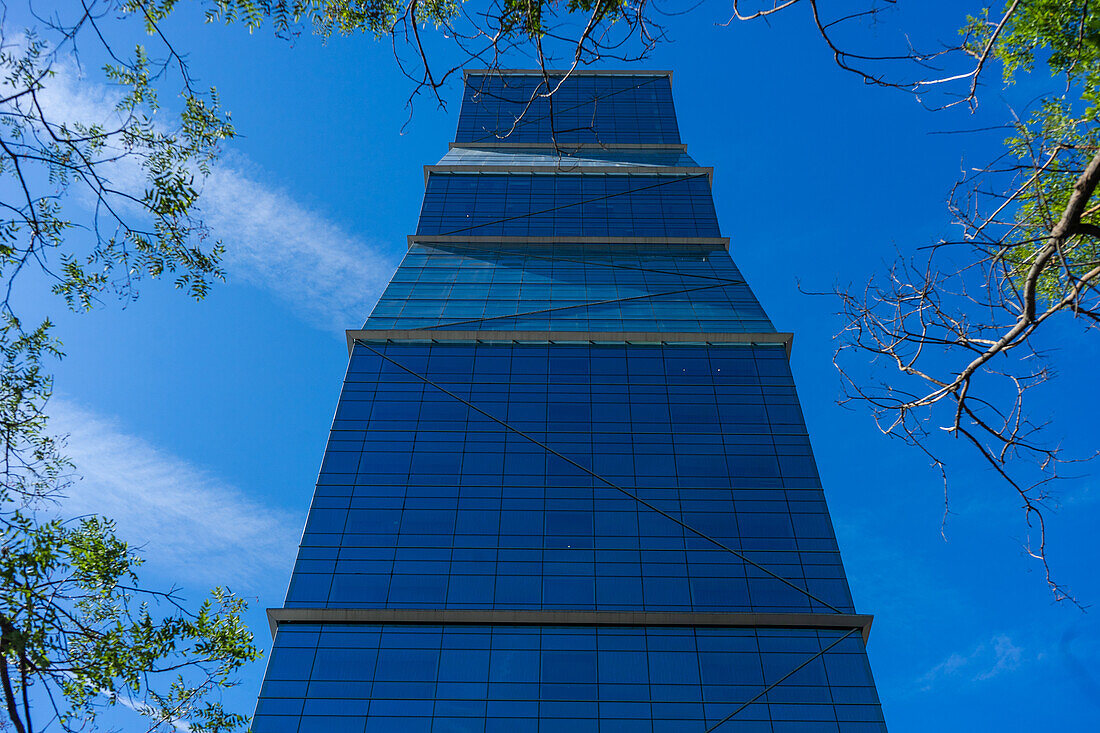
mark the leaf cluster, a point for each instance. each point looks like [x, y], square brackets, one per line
[528, 16]
[140, 176]
[1063, 35]
[326, 17]
[379, 17]
[77, 629]
[1057, 145]
[1054, 143]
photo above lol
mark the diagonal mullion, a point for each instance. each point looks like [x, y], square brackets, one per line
[580, 305]
[775, 684]
[596, 263]
[524, 120]
[601, 479]
[671, 180]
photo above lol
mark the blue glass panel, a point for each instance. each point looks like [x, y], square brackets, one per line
[613, 678]
[619, 288]
[489, 204]
[586, 109]
[520, 483]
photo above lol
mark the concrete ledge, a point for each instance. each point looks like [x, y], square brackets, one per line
[558, 169]
[723, 242]
[491, 144]
[428, 334]
[559, 72]
[838, 621]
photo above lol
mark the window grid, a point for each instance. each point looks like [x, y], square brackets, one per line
[422, 502]
[587, 109]
[516, 204]
[501, 679]
[438, 285]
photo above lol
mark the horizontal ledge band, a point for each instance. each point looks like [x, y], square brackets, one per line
[496, 617]
[499, 239]
[492, 144]
[426, 334]
[574, 169]
[574, 72]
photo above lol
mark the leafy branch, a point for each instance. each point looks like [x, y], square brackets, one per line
[96, 206]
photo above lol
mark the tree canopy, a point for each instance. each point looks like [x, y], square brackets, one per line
[92, 205]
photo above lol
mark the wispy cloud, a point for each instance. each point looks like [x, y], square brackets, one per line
[207, 532]
[987, 660]
[330, 276]
[327, 275]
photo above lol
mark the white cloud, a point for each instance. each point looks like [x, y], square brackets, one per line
[1006, 657]
[989, 659]
[329, 276]
[208, 533]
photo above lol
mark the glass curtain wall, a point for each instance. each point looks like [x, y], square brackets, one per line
[568, 486]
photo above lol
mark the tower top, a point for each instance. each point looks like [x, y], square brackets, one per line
[606, 107]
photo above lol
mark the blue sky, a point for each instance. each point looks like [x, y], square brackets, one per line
[200, 427]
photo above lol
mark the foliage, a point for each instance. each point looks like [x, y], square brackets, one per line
[34, 468]
[1053, 145]
[483, 35]
[72, 624]
[1065, 36]
[1061, 145]
[134, 232]
[93, 203]
[328, 16]
[379, 17]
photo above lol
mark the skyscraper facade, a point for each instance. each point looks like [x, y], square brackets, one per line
[568, 486]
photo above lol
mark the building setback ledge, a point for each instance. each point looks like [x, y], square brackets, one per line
[499, 143]
[723, 242]
[574, 72]
[432, 616]
[616, 337]
[575, 169]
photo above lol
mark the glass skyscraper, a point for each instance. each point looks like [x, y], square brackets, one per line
[568, 486]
